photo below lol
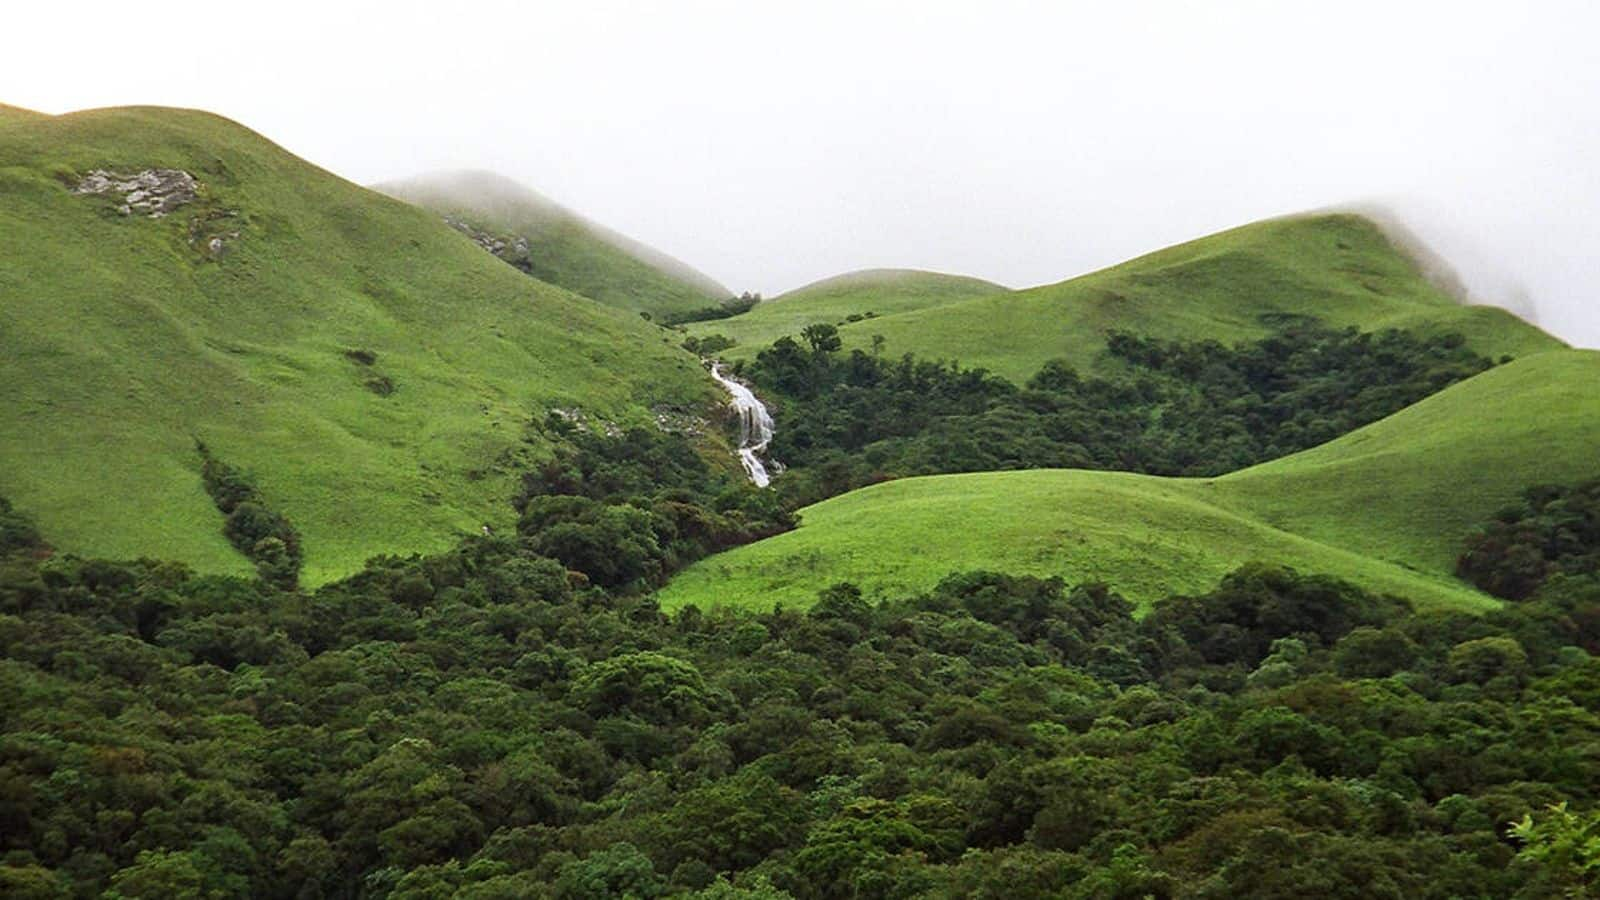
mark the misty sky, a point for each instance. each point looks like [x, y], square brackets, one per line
[770, 144]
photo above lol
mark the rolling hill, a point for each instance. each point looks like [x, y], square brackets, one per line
[1385, 506]
[1229, 287]
[371, 366]
[561, 247]
[871, 293]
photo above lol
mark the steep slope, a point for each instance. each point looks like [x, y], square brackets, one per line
[372, 367]
[1385, 506]
[1229, 286]
[868, 294]
[557, 245]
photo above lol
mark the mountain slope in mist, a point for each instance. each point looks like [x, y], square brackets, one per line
[1231, 286]
[373, 368]
[559, 246]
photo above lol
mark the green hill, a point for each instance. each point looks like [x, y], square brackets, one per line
[1228, 286]
[871, 293]
[372, 367]
[557, 245]
[1385, 506]
[1408, 487]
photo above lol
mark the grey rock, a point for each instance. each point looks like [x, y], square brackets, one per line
[153, 192]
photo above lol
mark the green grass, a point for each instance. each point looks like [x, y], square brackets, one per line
[120, 344]
[564, 248]
[1385, 507]
[1407, 488]
[1339, 268]
[885, 292]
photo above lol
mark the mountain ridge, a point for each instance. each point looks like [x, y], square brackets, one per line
[1228, 286]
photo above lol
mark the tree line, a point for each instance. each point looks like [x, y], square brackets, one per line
[1163, 407]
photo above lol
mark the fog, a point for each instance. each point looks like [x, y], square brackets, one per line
[770, 144]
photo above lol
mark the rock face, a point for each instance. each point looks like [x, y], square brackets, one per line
[152, 192]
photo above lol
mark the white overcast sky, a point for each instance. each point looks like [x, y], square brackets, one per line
[770, 144]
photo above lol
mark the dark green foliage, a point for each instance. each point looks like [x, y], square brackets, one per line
[17, 532]
[472, 724]
[822, 338]
[728, 308]
[709, 345]
[1169, 408]
[259, 532]
[627, 511]
[1255, 606]
[1554, 531]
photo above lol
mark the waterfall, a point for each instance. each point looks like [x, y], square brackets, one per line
[755, 427]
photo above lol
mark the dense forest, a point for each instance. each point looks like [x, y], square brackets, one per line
[499, 722]
[1163, 408]
[1554, 531]
[518, 717]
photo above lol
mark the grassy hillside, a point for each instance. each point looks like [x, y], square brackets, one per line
[1406, 488]
[1385, 506]
[563, 248]
[881, 292]
[123, 339]
[1228, 286]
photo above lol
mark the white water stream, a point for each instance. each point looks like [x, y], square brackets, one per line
[755, 428]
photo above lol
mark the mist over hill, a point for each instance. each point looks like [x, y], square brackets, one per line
[559, 246]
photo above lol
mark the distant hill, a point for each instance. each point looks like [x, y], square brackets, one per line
[1386, 506]
[372, 367]
[867, 294]
[1340, 268]
[557, 245]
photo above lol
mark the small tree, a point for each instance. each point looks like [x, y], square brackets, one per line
[822, 337]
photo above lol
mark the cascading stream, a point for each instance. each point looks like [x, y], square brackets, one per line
[755, 427]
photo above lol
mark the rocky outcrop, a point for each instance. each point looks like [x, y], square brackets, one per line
[152, 192]
[507, 249]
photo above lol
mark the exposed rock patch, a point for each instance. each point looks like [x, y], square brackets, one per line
[152, 192]
[676, 421]
[580, 421]
[513, 250]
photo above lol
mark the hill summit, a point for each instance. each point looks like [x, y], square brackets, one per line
[557, 245]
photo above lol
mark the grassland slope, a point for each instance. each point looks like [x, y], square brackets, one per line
[563, 247]
[1385, 506]
[371, 366]
[1231, 286]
